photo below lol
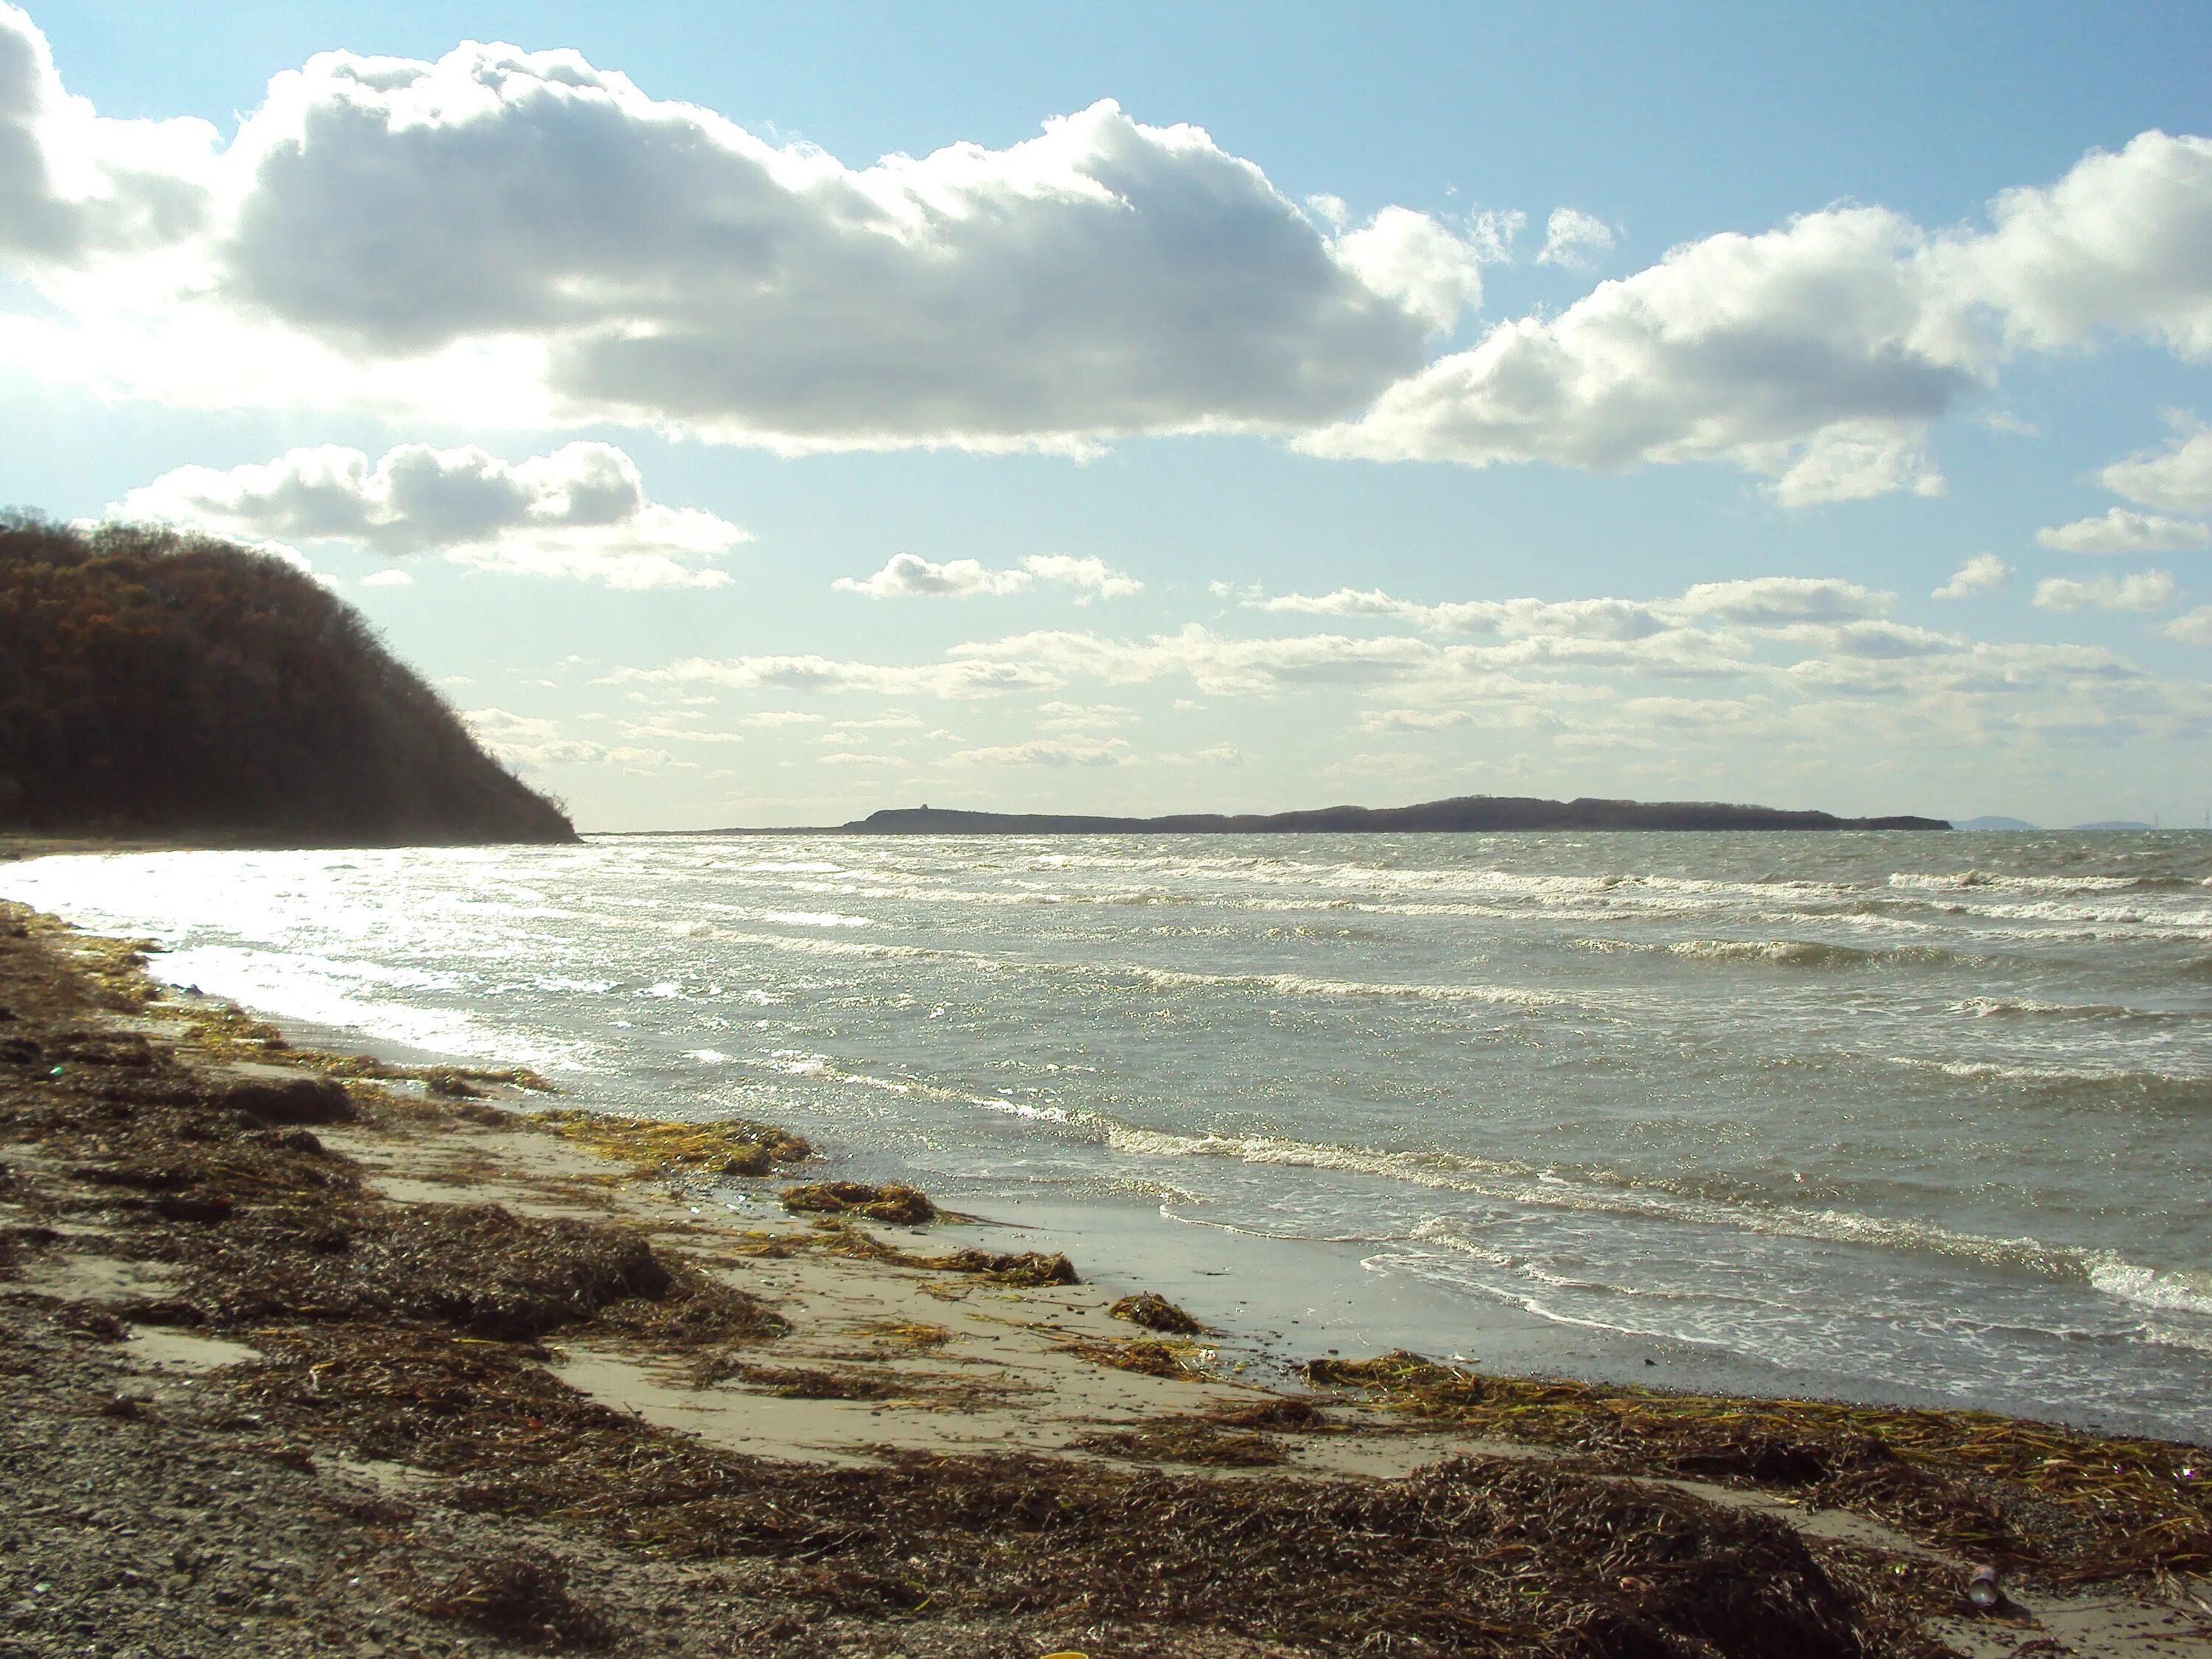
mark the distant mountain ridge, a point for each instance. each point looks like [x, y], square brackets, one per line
[1462, 813]
[161, 686]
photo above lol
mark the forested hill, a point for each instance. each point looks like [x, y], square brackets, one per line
[1464, 812]
[157, 685]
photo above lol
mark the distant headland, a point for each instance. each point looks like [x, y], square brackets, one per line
[181, 689]
[1462, 813]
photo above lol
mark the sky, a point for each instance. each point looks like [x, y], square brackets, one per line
[751, 416]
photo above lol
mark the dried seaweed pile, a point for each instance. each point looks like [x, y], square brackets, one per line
[659, 1147]
[2073, 1506]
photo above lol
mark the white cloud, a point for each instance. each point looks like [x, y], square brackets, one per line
[1780, 601]
[527, 233]
[1817, 354]
[2117, 246]
[852, 757]
[531, 743]
[2179, 479]
[2121, 531]
[2192, 627]
[579, 511]
[1574, 240]
[1979, 575]
[1091, 578]
[909, 575]
[1221, 755]
[1798, 353]
[2145, 589]
[1049, 751]
[388, 578]
[829, 674]
[1416, 261]
[1412, 719]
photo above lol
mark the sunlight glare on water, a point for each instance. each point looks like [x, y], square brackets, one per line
[1920, 1113]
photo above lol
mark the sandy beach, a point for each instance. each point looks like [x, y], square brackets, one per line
[313, 1354]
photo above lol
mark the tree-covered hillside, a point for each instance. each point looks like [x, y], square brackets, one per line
[154, 684]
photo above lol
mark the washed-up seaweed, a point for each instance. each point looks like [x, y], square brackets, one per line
[1156, 1312]
[892, 1201]
[1201, 1441]
[2072, 1505]
[657, 1146]
[1146, 1356]
[835, 1235]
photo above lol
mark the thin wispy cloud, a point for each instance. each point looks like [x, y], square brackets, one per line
[909, 575]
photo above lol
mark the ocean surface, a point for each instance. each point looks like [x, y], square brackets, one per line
[1899, 1116]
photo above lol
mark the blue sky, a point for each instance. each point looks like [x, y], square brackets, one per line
[1266, 467]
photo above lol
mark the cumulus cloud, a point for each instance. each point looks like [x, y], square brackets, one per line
[579, 511]
[2192, 627]
[1818, 354]
[404, 229]
[1574, 240]
[909, 575]
[2145, 589]
[2123, 532]
[2178, 478]
[1979, 575]
[388, 578]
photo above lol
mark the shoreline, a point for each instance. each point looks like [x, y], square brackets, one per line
[811, 1356]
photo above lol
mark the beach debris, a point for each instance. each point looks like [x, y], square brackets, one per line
[659, 1147]
[1144, 1355]
[1196, 1440]
[1027, 1269]
[2076, 1506]
[911, 1333]
[286, 1101]
[1156, 1312]
[1985, 1589]
[521, 1599]
[801, 1382]
[893, 1202]
[1280, 1414]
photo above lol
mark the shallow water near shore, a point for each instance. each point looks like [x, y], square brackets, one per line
[1920, 1117]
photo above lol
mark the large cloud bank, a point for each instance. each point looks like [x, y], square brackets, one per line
[526, 238]
[615, 256]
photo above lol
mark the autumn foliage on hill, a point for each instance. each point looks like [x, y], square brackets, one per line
[159, 685]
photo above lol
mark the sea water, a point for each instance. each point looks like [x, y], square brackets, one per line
[1891, 1115]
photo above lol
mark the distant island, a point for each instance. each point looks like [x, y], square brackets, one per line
[163, 687]
[1462, 813]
